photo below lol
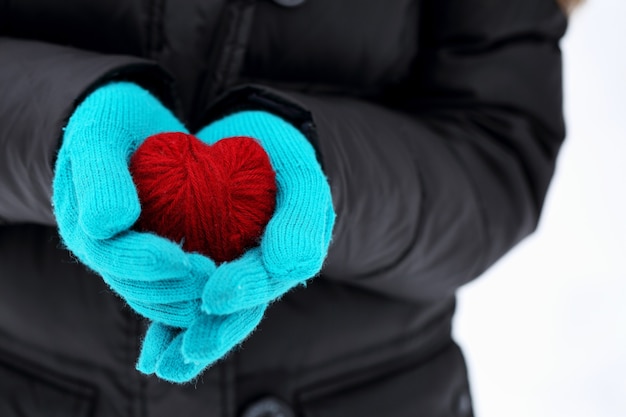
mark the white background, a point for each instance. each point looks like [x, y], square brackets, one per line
[544, 331]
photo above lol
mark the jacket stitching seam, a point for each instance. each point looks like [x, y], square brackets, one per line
[229, 46]
[157, 29]
[240, 41]
[221, 64]
[154, 28]
[480, 262]
[433, 327]
[148, 28]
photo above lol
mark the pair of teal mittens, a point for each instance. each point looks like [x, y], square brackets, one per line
[198, 310]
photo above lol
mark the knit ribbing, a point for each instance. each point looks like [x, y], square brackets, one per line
[100, 136]
[95, 204]
[296, 239]
[292, 250]
[199, 311]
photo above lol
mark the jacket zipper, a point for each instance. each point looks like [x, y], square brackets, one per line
[226, 56]
[154, 28]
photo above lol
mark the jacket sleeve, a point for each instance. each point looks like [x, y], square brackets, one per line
[40, 85]
[434, 183]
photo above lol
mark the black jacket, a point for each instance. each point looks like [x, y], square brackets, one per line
[437, 122]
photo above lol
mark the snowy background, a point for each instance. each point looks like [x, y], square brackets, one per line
[544, 331]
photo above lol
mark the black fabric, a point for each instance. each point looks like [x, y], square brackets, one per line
[438, 124]
[435, 387]
[41, 84]
[35, 393]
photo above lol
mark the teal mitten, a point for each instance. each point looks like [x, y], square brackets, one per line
[292, 249]
[95, 203]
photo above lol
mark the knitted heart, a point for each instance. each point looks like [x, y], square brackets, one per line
[216, 199]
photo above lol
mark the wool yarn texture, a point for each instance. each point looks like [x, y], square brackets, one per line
[213, 199]
[95, 203]
[199, 310]
[292, 250]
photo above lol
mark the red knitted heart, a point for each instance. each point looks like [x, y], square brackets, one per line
[216, 199]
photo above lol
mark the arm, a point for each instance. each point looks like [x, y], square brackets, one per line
[52, 94]
[40, 86]
[434, 185]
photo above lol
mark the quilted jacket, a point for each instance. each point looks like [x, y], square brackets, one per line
[437, 122]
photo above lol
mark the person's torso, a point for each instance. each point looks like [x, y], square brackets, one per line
[349, 47]
[325, 350]
[61, 327]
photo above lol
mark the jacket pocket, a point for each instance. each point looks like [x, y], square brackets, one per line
[26, 389]
[437, 387]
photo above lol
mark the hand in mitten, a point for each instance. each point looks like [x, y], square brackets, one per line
[292, 249]
[296, 239]
[95, 203]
